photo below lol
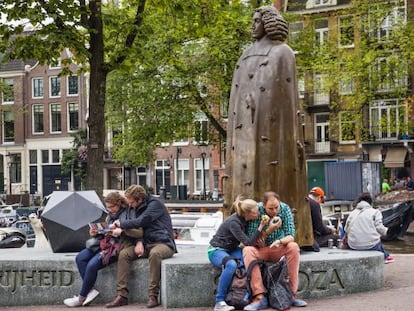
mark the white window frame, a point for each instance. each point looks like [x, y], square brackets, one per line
[33, 87]
[384, 30]
[8, 142]
[69, 104]
[6, 81]
[56, 64]
[320, 95]
[183, 172]
[68, 84]
[51, 113]
[341, 27]
[393, 77]
[384, 109]
[50, 86]
[321, 33]
[33, 119]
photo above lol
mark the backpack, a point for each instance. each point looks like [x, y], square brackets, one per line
[276, 280]
[239, 292]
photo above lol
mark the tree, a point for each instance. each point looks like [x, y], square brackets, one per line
[185, 66]
[82, 26]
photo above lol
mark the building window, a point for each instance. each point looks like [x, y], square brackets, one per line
[45, 156]
[8, 127]
[389, 73]
[38, 119]
[295, 30]
[382, 22]
[72, 85]
[55, 156]
[319, 3]
[54, 86]
[55, 118]
[346, 31]
[37, 87]
[16, 168]
[322, 143]
[55, 64]
[321, 31]
[346, 81]
[7, 91]
[200, 174]
[183, 172]
[320, 90]
[73, 111]
[162, 175]
[388, 118]
[347, 127]
[142, 175]
[33, 156]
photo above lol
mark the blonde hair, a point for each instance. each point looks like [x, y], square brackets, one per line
[242, 207]
[135, 192]
[115, 198]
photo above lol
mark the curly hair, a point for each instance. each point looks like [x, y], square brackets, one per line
[115, 198]
[275, 26]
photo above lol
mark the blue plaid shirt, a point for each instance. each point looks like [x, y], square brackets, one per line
[287, 228]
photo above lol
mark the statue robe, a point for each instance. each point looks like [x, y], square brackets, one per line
[265, 150]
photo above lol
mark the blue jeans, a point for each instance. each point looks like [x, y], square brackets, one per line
[89, 263]
[228, 271]
[380, 247]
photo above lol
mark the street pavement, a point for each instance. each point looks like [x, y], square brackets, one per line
[397, 294]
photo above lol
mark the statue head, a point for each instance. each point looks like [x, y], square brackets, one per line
[267, 21]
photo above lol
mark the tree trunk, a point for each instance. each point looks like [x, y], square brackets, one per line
[96, 118]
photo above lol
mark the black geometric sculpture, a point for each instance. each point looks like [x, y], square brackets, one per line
[66, 217]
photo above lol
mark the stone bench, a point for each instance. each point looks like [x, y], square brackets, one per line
[37, 277]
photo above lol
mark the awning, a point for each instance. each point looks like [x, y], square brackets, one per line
[395, 157]
[375, 154]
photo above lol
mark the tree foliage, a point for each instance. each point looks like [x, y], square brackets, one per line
[375, 63]
[185, 66]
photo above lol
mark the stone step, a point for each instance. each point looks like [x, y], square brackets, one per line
[33, 276]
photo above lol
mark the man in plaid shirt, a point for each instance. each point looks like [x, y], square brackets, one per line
[277, 241]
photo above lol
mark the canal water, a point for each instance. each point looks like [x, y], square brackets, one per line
[401, 247]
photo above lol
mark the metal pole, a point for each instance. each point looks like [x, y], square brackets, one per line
[203, 156]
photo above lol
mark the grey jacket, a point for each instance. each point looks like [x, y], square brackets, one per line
[364, 227]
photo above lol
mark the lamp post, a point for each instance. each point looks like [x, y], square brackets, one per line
[9, 162]
[203, 157]
[177, 179]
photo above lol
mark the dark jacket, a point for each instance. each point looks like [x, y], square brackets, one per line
[232, 232]
[153, 217]
[130, 236]
[319, 227]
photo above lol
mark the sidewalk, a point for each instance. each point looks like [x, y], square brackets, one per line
[396, 295]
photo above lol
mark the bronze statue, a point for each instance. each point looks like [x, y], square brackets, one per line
[265, 149]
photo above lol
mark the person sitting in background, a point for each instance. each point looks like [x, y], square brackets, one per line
[89, 262]
[364, 227]
[321, 232]
[410, 184]
[224, 249]
[385, 186]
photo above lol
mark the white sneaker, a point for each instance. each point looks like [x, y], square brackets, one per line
[222, 306]
[91, 297]
[72, 302]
